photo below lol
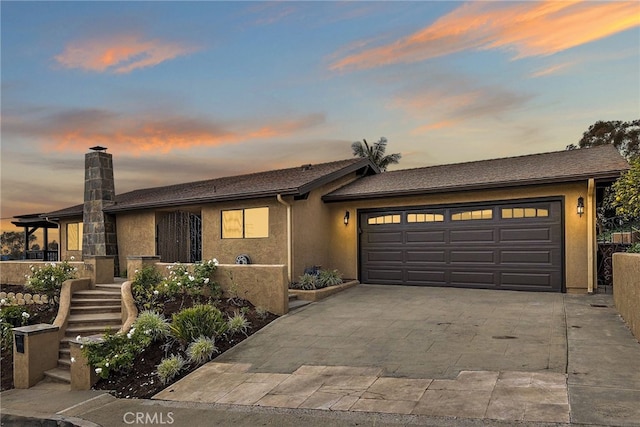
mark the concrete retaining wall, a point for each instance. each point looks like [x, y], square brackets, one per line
[626, 289]
[15, 272]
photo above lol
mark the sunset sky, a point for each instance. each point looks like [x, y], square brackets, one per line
[184, 91]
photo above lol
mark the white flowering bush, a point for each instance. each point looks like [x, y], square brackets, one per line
[144, 288]
[48, 279]
[182, 281]
[116, 352]
[11, 316]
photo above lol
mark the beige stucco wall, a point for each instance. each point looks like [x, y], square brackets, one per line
[343, 250]
[626, 289]
[15, 272]
[136, 235]
[267, 250]
[66, 254]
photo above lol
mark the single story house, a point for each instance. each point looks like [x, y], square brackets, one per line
[518, 223]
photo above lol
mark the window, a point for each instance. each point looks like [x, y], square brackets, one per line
[384, 219]
[472, 215]
[511, 213]
[245, 223]
[425, 217]
[74, 236]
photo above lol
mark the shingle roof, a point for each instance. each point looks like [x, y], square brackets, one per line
[291, 181]
[602, 162]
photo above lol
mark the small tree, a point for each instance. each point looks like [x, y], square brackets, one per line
[626, 192]
[376, 153]
[625, 136]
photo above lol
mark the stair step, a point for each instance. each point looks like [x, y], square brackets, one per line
[293, 297]
[59, 375]
[95, 318]
[297, 304]
[83, 302]
[64, 353]
[64, 362]
[95, 309]
[111, 287]
[95, 293]
[73, 331]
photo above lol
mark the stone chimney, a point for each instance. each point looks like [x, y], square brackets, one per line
[99, 229]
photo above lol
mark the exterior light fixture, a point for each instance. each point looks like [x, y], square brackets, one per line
[580, 206]
[346, 218]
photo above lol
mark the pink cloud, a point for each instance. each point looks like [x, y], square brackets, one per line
[524, 28]
[119, 54]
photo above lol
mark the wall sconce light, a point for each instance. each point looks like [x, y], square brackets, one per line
[580, 206]
[346, 218]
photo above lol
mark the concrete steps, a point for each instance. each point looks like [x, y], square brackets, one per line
[92, 312]
[295, 303]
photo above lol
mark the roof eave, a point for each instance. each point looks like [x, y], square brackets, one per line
[612, 175]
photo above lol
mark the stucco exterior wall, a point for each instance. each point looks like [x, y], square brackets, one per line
[136, 235]
[626, 289]
[267, 250]
[314, 223]
[343, 248]
[66, 254]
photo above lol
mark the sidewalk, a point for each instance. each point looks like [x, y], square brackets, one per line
[602, 387]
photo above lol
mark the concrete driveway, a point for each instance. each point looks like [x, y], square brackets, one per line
[466, 353]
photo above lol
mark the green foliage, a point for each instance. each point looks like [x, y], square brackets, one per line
[152, 324]
[376, 153]
[307, 282]
[182, 281]
[201, 349]
[48, 279]
[634, 249]
[11, 316]
[328, 278]
[234, 292]
[262, 313]
[199, 320]
[626, 192]
[12, 243]
[116, 352]
[238, 323]
[144, 288]
[170, 367]
[625, 136]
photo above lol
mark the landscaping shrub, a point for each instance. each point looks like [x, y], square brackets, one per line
[11, 316]
[170, 367]
[181, 281]
[307, 282]
[152, 324]
[199, 320]
[48, 279]
[237, 323]
[328, 278]
[634, 249]
[201, 349]
[144, 288]
[116, 352]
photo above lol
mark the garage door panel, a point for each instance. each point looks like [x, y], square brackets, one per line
[526, 257]
[526, 235]
[425, 256]
[385, 256]
[386, 275]
[385, 237]
[426, 236]
[471, 278]
[430, 277]
[519, 247]
[474, 257]
[471, 236]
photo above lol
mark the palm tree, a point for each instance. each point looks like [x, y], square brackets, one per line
[376, 153]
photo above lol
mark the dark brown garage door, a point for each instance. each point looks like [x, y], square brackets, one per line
[515, 246]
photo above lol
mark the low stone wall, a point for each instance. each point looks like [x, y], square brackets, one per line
[15, 272]
[11, 298]
[626, 289]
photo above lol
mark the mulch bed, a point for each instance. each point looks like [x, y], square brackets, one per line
[142, 382]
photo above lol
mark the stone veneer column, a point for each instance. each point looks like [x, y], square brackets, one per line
[99, 229]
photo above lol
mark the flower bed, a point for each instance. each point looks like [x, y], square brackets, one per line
[318, 294]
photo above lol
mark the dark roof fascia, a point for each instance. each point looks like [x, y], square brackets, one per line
[510, 184]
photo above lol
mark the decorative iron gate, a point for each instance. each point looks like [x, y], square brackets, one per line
[179, 237]
[614, 235]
